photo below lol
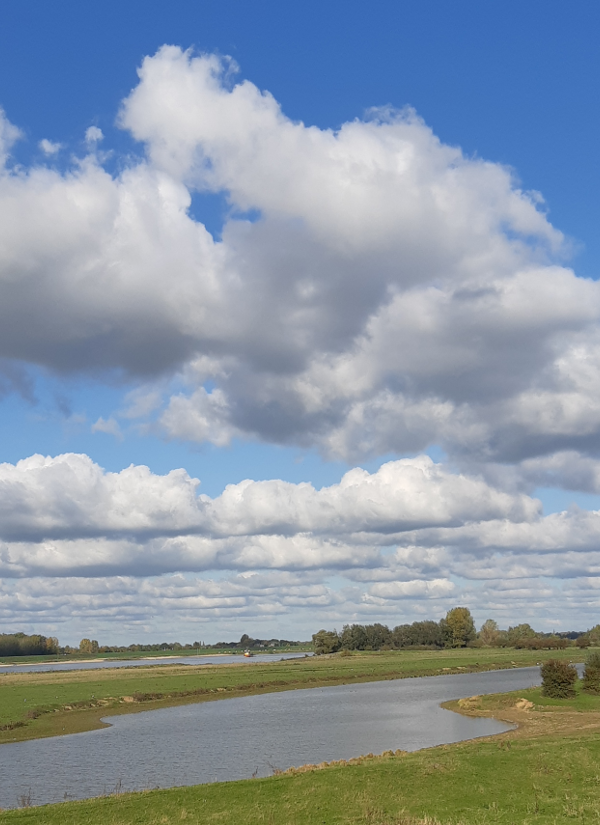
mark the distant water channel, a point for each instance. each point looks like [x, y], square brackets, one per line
[239, 738]
[217, 659]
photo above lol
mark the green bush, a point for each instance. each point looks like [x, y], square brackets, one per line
[591, 674]
[558, 679]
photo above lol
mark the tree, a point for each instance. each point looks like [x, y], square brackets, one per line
[591, 674]
[326, 641]
[594, 635]
[458, 628]
[88, 646]
[353, 637]
[489, 633]
[518, 634]
[418, 634]
[558, 679]
[377, 635]
[402, 636]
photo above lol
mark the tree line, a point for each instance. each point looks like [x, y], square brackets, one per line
[20, 644]
[456, 629]
[248, 643]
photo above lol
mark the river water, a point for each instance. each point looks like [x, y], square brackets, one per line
[250, 736]
[98, 664]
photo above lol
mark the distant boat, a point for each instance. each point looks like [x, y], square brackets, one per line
[247, 654]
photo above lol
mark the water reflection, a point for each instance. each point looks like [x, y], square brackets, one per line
[238, 738]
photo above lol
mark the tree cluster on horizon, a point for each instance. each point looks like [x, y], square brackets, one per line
[20, 644]
[455, 630]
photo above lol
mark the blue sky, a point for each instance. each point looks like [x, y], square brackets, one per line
[254, 382]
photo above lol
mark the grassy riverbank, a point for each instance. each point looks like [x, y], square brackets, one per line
[547, 771]
[34, 705]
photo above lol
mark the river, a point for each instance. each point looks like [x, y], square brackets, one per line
[98, 664]
[250, 736]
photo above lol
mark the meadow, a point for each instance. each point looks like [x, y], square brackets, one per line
[545, 772]
[34, 705]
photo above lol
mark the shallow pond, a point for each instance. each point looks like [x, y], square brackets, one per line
[251, 736]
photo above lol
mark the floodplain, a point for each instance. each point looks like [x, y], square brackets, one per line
[547, 770]
[35, 705]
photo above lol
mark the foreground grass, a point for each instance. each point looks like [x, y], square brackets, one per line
[34, 705]
[509, 780]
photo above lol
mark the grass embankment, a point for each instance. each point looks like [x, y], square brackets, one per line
[34, 705]
[545, 772]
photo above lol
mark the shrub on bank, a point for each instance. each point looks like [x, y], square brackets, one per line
[558, 679]
[591, 674]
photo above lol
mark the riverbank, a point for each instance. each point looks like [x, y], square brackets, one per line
[533, 714]
[37, 705]
[546, 771]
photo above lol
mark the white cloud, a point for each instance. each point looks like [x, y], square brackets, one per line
[93, 135]
[110, 426]
[391, 294]
[197, 127]
[9, 134]
[69, 497]
[49, 148]
[412, 533]
[290, 605]
[203, 417]
[409, 589]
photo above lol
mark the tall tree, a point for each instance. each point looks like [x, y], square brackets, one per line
[518, 634]
[489, 633]
[326, 641]
[458, 627]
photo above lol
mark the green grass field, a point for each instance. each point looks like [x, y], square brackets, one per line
[34, 705]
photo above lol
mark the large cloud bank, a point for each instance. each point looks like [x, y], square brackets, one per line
[384, 544]
[389, 293]
[372, 291]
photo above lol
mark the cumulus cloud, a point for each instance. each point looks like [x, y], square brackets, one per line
[49, 148]
[389, 292]
[93, 135]
[413, 533]
[410, 589]
[110, 426]
[288, 604]
[71, 497]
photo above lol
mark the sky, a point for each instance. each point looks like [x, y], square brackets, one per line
[299, 316]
